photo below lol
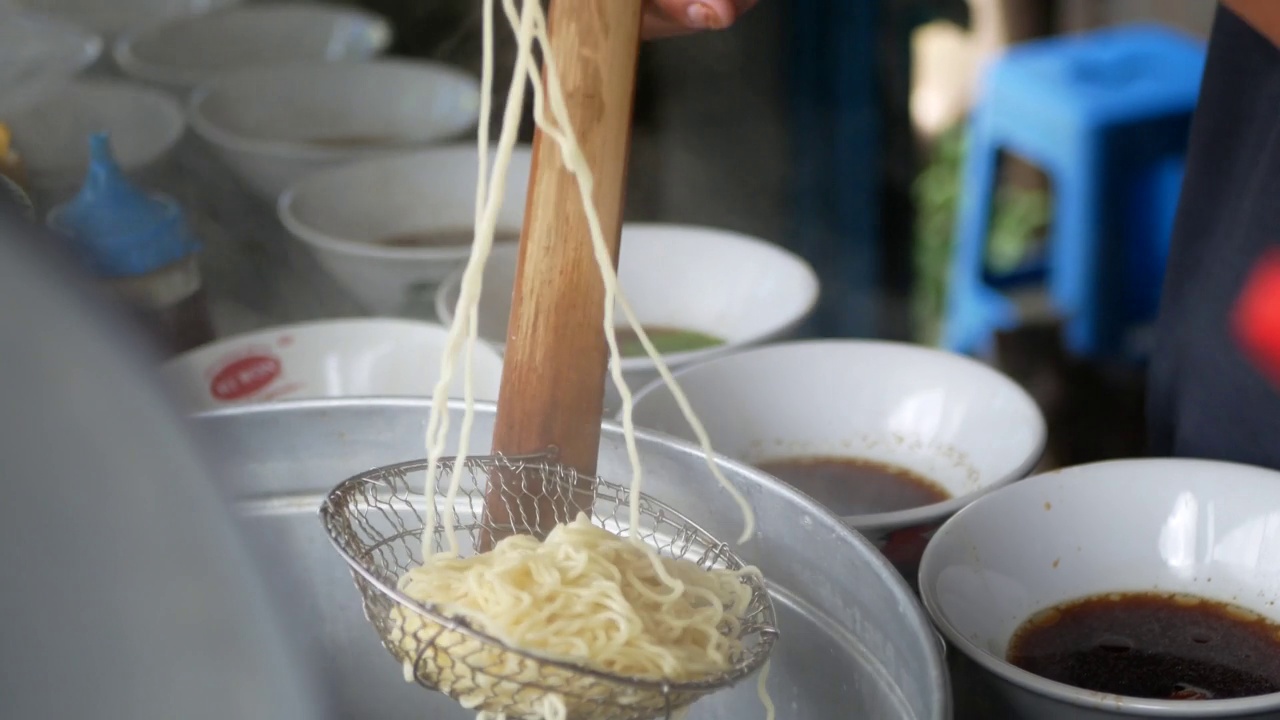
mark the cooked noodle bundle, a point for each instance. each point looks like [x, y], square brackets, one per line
[590, 597]
[584, 597]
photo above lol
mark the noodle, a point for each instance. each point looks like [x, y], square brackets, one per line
[583, 595]
[658, 618]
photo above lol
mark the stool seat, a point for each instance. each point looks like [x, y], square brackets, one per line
[1109, 76]
[1104, 115]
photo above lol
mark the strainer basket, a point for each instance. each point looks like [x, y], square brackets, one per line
[376, 519]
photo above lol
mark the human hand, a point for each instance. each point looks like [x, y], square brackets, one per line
[668, 18]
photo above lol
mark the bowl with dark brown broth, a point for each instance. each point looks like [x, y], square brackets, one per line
[1131, 588]
[894, 438]
[698, 293]
[390, 229]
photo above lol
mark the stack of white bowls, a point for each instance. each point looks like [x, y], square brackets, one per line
[165, 48]
[275, 92]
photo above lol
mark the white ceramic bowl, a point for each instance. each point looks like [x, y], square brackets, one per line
[275, 125]
[53, 135]
[186, 52]
[111, 18]
[952, 420]
[1179, 526]
[341, 215]
[740, 289]
[38, 55]
[332, 358]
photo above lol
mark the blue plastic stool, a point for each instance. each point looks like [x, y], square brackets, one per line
[1106, 116]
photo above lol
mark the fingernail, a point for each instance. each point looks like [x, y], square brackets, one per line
[703, 17]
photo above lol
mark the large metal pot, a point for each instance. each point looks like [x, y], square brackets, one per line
[855, 643]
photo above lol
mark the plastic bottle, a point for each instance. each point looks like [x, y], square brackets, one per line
[140, 246]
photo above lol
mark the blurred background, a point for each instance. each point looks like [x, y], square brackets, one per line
[838, 131]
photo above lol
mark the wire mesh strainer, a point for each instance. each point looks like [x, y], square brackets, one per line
[375, 520]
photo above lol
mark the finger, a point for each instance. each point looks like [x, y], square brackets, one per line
[671, 18]
[697, 14]
[656, 26]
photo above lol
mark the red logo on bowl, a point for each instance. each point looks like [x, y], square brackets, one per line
[244, 377]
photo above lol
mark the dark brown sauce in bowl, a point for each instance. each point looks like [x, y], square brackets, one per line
[457, 237]
[1150, 645]
[852, 486]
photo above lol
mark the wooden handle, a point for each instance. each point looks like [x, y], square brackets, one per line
[552, 392]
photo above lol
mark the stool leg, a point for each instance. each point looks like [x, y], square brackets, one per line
[973, 310]
[1081, 239]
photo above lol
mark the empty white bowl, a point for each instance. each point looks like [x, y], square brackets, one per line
[39, 54]
[954, 421]
[736, 288]
[1194, 527]
[275, 125]
[344, 216]
[183, 53]
[332, 358]
[111, 18]
[53, 136]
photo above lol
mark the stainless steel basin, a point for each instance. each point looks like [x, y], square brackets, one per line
[855, 641]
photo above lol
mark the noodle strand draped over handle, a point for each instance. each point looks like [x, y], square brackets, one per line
[552, 392]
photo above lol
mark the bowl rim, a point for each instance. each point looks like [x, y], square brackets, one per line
[925, 514]
[1118, 705]
[158, 101]
[677, 361]
[110, 34]
[125, 56]
[310, 235]
[214, 134]
[90, 47]
[396, 324]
